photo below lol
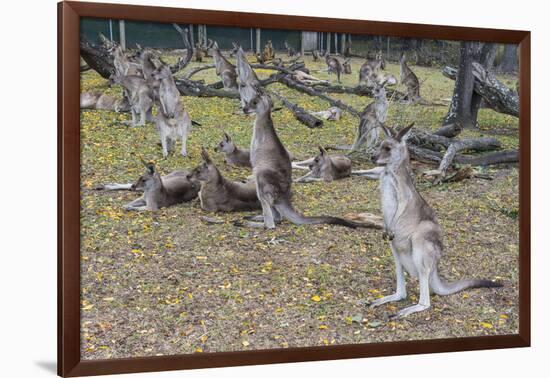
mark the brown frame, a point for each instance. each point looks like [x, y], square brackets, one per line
[69, 362]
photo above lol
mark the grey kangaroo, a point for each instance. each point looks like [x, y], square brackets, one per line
[140, 96]
[347, 66]
[101, 101]
[327, 168]
[217, 194]
[334, 66]
[416, 238]
[271, 167]
[371, 119]
[409, 80]
[370, 69]
[173, 121]
[224, 69]
[174, 188]
[233, 154]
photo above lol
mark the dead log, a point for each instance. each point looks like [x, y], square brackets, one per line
[286, 80]
[359, 90]
[98, 58]
[497, 96]
[195, 88]
[299, 113]
[183, 61]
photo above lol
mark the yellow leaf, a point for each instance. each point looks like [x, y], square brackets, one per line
[245, 343]
[198, 350]
[316, 298]
[204, 338]
[486, 325]
[88, 307]
[109, 299]
[503, 316]
[323, 326]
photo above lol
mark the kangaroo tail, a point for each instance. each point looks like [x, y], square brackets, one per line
[441, 287]
[288, 212]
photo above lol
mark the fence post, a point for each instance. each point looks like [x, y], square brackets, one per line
[122, 28]
[328, 43]
[302, 44]
[343, 43]
[258, 40]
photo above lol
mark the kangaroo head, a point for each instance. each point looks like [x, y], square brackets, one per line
[319, 161]
[150, 180]
[163, 72]
[203, 171]
[255, 100]
[226, 145]
[393, 150]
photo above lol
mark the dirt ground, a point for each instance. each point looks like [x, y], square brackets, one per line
[167, 283]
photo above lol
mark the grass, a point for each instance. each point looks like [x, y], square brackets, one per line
[165, 283]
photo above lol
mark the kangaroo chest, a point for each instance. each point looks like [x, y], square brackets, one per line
[389, 199]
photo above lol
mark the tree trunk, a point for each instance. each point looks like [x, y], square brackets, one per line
[465, 102]
[509, 62]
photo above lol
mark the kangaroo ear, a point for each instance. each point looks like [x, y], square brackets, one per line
[389, 132]
[401, 134]
[322, 150]
[227, 137]
[205, 156]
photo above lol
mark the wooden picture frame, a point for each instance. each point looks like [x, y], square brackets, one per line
[69, 361]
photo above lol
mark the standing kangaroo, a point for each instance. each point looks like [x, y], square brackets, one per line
[370, 69]
[139, 95]
[347, 66]
[233, 154]
[415, 236]
[327, 168]
[289, 49]
[224, 69]
[173, 121]
[409, 80]
[371, 119]
[271, 167]
[219, 194]
[165, 191]
[334, 66]
[101, 101]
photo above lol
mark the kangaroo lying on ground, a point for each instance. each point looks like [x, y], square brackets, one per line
[327, 168]
[233, 154]
[334, 66]
[101, 101]
[411, 226]
[219, 194]
[410, 80]
[173, 121]
[139, 95]
[224, 69]
[331, 114]
[165, 191]
[271, 167]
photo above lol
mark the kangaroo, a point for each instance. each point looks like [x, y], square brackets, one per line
[271, 167]
[165, 191]
[327, 168]
[370, 69]
[416, 238]
[331, 114]
[269, 49]
[347, 66]
[370, 121]
[122, 65]
[334, 66]
[224, 69]
[148, 67]
[316, 54]
[410, 80]
[289, 49]
[139, 95]
[169, 96]
[217, 194]
[233, 154]
[101, 101]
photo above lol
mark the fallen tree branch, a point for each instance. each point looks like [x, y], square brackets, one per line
[299, 113]
[183, 61]
[497, 96]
